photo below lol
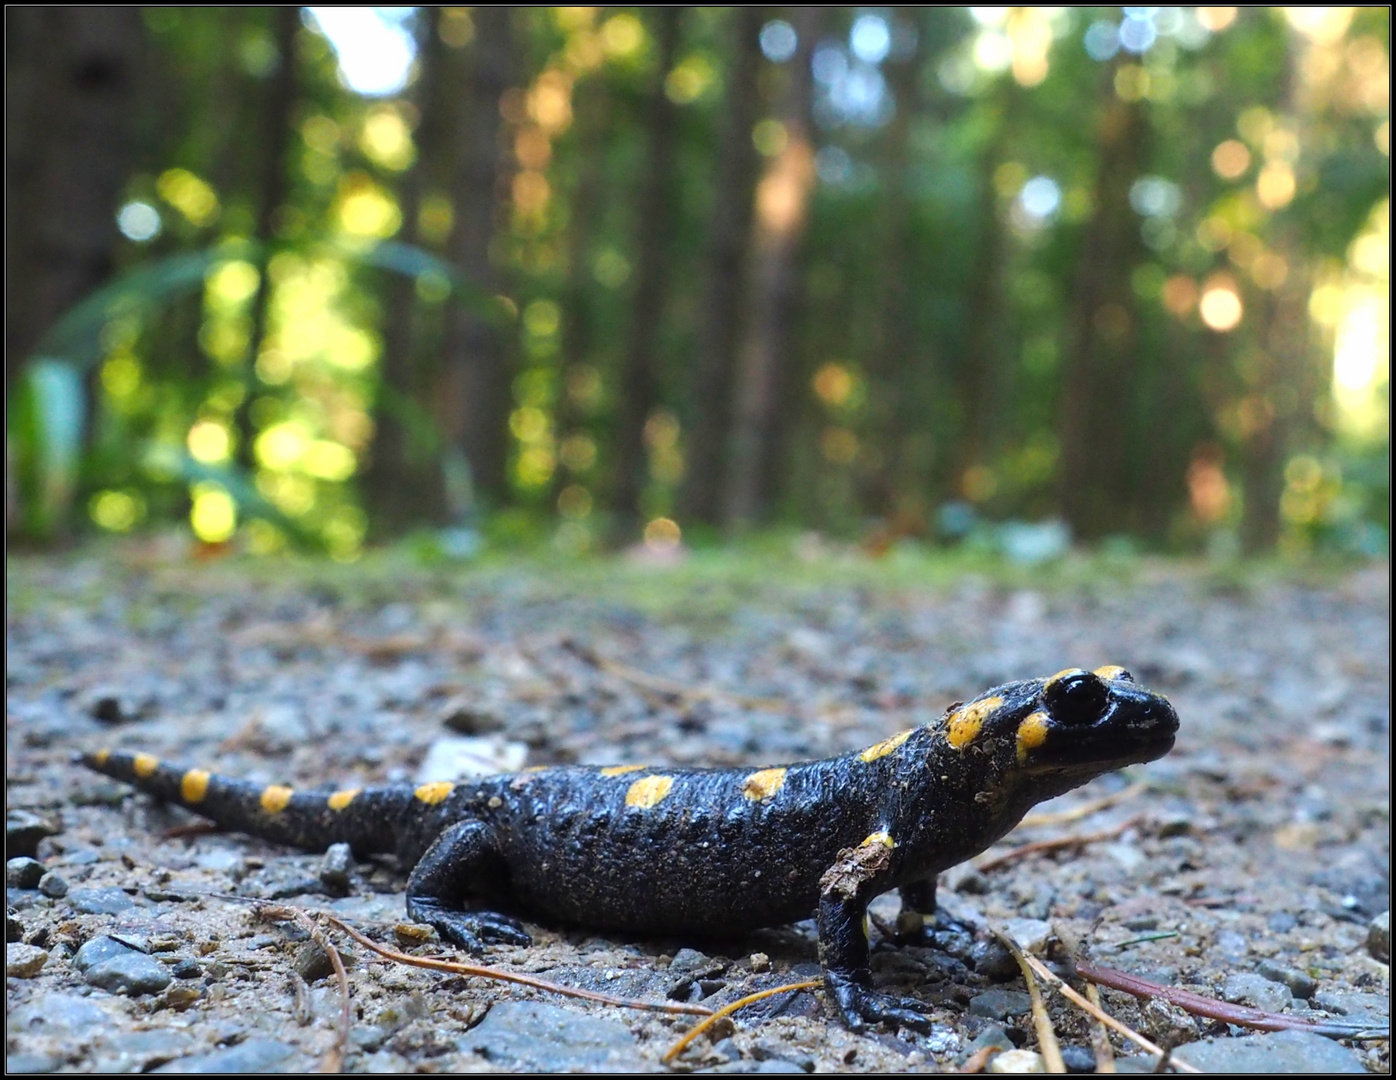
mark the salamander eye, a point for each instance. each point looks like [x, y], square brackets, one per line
[1078, 698]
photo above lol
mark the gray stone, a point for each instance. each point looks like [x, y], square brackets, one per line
[132, 973]
[1301, 984]
[999, 1004]
[187, 968]
[99, 950]
[15, 1064]
[335, 869]
[57, 1015]
[692, 962]
[1272, 1052]
[992, 1035]
[1078, 1059]
[14, 929]
[252, 1056]
[24, 830]
[100, 901]
[139, 1051]
[1030, 934]
[541, 1037]
[312, 963]
[1247, 988]
[993, 961]
[53, 884]
[24, 961]
[1379, 937]
[23, 873]
[1360, 1008]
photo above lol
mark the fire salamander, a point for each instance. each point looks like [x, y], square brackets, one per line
[714, 852]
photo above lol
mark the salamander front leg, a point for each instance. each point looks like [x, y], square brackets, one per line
[461, 857]
[843, 940]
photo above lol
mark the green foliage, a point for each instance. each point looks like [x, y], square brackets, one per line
[951, 326]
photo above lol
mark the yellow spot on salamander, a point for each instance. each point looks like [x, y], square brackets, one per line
[886, 746]
[538, 768]
[1063, 674]
[193, 786]
[101, 757]
[1109, 671]
[144, 765]
[1032, 733]
[763, 784]
[964, 725]
[649, 791]
[276, 798]
[340, 799]
[882, 836]
[621, 770]
[431, 794]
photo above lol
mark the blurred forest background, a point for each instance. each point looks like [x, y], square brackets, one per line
[307, 277]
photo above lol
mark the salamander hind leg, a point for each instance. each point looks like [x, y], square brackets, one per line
[460, 860]
[921, 921]
[845, 890]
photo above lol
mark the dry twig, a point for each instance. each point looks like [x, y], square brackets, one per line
[727, 1010]
[334, 1060]
[1046, 1037]
[1213, 1009]
[499, 975]
[1076, 813]
[1052, 845]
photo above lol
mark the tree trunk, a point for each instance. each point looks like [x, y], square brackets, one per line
[71, 80]
[476, 391]
[273, 181]
[782, 205]
[1099, 378]
[639, 383]
[729, 232]
[396, 485]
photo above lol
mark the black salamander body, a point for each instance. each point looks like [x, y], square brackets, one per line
[714, 852]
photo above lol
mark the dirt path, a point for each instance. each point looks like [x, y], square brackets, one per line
[1259, 858]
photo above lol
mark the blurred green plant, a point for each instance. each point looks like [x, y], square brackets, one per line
[48, 417]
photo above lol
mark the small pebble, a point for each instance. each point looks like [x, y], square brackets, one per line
[99, 950]
[14, 929]
[187, 968]
[23, 873]
[1301, 984]
[24, 961]
[312, 963]
[759, 962]
[53, 884]
[999, 1004]
[1030, 934]
[133, 974]
[1078, 1059]
[1018, 1061]
[692, 962]
[993, 961]
[335, 868]
[99, 901]
[1272, 1052]
[1379, 937]
[255, 1055]
[24, 830]
[1247, 988]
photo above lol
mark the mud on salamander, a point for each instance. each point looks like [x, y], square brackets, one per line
[714, 852]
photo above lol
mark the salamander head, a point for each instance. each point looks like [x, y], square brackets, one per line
[1067, 728]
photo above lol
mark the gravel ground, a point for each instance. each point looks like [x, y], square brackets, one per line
[1257, 867]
